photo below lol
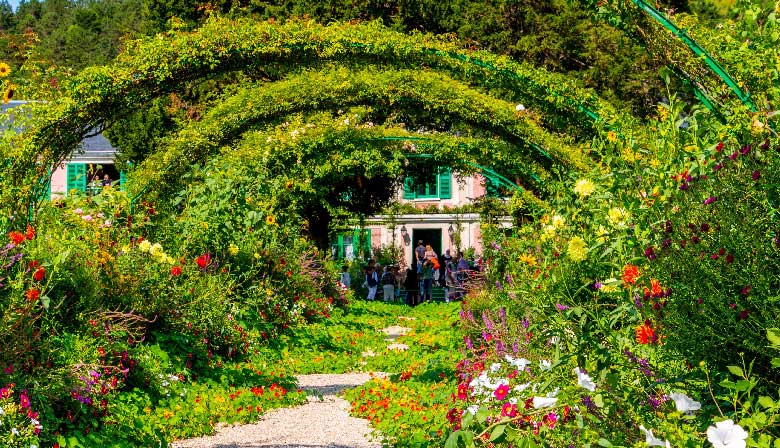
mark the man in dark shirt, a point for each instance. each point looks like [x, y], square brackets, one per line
[419, 253]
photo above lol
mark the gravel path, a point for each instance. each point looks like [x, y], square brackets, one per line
[322, 422]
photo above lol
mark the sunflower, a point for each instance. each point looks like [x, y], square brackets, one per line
[5, 69]
[270, 220]
[9, 93]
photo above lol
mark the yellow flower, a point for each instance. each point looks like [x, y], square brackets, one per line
[270, 220]
[9, 93]
[602, 234]
[548, 233]
[577, 249]
[5, 69]
[558, 221]
[527, 259]
[144, 246]
[630, 156]
[663, 113]
[257, 256]
[205, 225]
[233, 249]
[288, 185]
[156, 249]
[609, 285]
[611, 136]
[584, 188]
[617, 216]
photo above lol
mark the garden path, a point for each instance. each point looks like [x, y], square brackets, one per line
[324, 421]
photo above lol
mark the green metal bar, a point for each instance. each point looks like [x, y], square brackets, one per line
[698, 51]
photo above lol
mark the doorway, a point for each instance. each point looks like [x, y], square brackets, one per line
[428, 236]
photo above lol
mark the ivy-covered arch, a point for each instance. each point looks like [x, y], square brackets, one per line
[155, 66]
[412, 91]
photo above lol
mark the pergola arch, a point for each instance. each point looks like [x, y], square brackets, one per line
[339, 88]
[155, 66]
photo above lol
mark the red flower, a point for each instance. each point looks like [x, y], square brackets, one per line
[463, 391]
[39, 274]
[501, 391]
[30, 233]
[176, 271]
[16, 238]
[719, 148]
[645, 334]
[203, 261]
[630, 274]
[33, 295]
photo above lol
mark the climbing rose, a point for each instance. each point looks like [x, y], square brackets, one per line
[710, 200]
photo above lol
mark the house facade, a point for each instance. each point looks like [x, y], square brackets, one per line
[436, 224]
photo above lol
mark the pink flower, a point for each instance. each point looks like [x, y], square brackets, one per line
[509, 410]
[710, 200]
[501, 391]
[756, 175]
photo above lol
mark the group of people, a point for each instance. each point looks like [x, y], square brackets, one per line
[418, 280]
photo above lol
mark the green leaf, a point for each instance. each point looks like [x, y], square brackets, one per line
[766, 402]
[45, 301]
[736, 371]
[482, 414]
[773, 334]
[498, 431]
[598, 400]
[604, 442]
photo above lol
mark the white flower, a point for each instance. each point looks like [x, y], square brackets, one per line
[544, 402]
[521, 387]
[726, 434]
[519, 108]
[545, 365]
[513, 400]
[2, 411]
[473, 409]
[520, 363]
[583, 380]
[685, 403]
[15, 431]
[495, 367]
[558, 221]
[652, 440]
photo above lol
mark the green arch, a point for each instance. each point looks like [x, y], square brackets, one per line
[408, 90]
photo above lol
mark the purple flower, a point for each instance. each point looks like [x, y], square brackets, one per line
[650, 253]
[705, 227]
[734, 155]
[710, 200]
[525, 323]
[765, 145]
[561, 307]
[500, 348]
[756, 175]
[515, 347]
[637, 301]
[666, 243]
[685, 186]
[695, 239]
[498, 285]
[488, 322]
[717, 167]
[502, 315]
[668, 227]
[745, 150]
[469, 345]
[598, 285]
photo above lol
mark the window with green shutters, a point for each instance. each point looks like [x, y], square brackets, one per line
[77, 177]
[439, 187]
[347, 245]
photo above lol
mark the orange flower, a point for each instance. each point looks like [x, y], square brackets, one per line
[630, 274]
[39, 274]
[645, 334]
[16, 237]
[30, 233]
[32, 295]
[656, 290]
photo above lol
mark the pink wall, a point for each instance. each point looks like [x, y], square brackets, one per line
[59, 181]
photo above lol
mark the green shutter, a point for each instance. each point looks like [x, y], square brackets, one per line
[367, 237]
[408, 188]
[340, 250]
[122, 181]
[445, 184]
[77, 177]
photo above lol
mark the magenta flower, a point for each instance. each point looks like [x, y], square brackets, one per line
[717, 167]
[734, 155]
[756, 175]
[501, 391]
[650, 253]
[729, 258]
[745, 150]
[561, 307]
[710, 200]
[765, 145]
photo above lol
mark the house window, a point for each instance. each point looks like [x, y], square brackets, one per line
[347, 245]
[436, 187]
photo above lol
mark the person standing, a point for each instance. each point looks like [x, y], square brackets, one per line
[411, 285]
[388, 285]
[463, 268]
[419, 253]
[427, 281]
[446, 260]
[372, 280]
[344, 279]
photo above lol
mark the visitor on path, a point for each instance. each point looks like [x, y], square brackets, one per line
[427, 281]
[344, 278]
[388, 285]
[451, 290]
[463, 268]
[419, 254]
[372, 280]
[445, 261]
[411, 285]
[430, 254]
[106, 181]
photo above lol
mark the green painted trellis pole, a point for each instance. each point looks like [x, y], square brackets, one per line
[699, 51]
